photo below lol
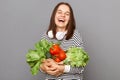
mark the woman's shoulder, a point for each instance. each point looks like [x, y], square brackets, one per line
[43, 35]
[76, 33]
[77, 39]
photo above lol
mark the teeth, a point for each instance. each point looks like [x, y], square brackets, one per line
[61, 20]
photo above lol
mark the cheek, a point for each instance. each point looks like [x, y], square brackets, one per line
[67, 19]
[56, 20]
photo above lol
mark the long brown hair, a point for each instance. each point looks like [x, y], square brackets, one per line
[70, 26]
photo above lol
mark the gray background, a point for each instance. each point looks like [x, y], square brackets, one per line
[22, 22]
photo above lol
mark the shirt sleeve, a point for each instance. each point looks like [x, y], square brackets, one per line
[78, 42]
[74, 70]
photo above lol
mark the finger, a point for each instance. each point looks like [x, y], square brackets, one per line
[55, 73]
[53, 68]
[52, 72]
[47, 64]
[50, 60]
[60, 62]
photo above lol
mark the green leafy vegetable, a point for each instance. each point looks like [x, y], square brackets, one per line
[76, 57]
[35, 56]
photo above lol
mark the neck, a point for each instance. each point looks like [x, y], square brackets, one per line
[61, 30]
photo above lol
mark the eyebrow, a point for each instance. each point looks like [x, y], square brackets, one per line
[66, 11]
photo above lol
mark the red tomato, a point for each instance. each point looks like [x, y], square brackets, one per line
[62, 55]
[55, 49]
[57, 53]
[57, 59]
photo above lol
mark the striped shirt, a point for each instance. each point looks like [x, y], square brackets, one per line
[75, 72]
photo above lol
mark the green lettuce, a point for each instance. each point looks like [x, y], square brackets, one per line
[76, 57]
[35, 56]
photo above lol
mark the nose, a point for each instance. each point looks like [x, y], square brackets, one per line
[63, 14]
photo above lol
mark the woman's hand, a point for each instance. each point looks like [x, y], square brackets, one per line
[51, 67]
[58, 71]
[58, 68]
[46, 66]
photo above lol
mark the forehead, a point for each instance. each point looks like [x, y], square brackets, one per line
[64, 8]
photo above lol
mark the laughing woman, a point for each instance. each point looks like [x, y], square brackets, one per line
[62, 28]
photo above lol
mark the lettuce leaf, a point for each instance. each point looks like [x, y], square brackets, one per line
[76, 57]
[35, 56]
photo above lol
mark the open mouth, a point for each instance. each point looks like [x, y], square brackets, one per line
[61, 20]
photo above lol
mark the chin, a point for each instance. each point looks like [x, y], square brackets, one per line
[61, 27]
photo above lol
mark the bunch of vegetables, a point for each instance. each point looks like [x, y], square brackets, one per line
[74, 56]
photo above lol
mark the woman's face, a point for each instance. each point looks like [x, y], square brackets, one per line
[62, 16]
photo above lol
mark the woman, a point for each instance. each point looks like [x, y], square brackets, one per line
[62, 28]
